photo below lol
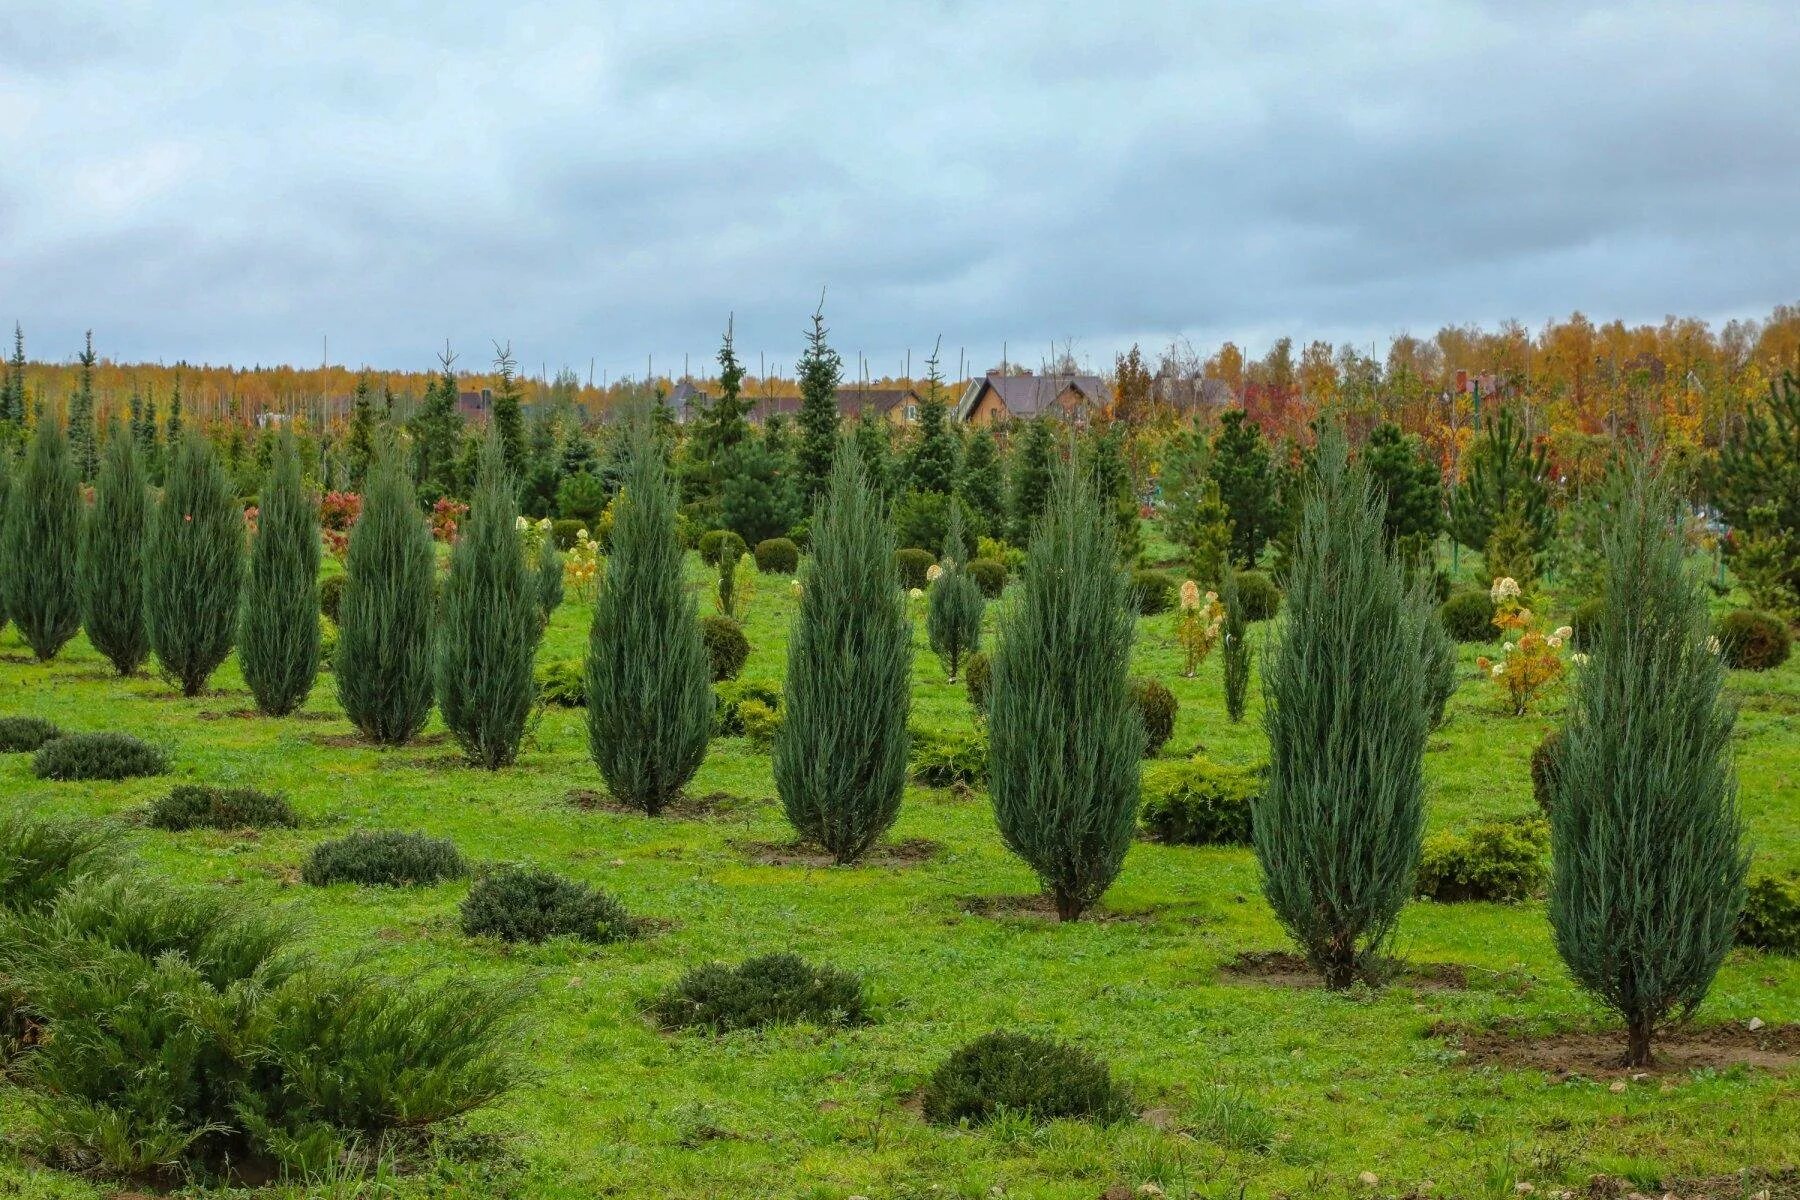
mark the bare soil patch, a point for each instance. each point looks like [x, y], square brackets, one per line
[711, 806]
[1601, 1054]
[1284, 968]
[1776, 1185]
[1041, 906]
[907, 853]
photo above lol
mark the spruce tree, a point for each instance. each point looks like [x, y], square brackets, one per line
[841, 751]
[509, 414]
[982, 484]
[383, 662]
[491, 624]
[112, 558]
[649, 678]
[172, 431]
[1339, 826]
[931, 467]
[12, 398]
[360, 445]
[875, 449]
[83, 448]
[1647, 846]
[149, 440]
[39, 546]
[194, 567]
[1033, 472]
[1235, 637]
[436, 430]
[1064, 736]
[278, 640]
[821, 369]
[755, 491]
[1241, 467]
[1112, 483]
[953, 618]
[1409, 481]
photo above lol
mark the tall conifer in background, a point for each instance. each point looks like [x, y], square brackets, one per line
[112, 558]
[509, 413]
[649, 679]
[549, 580]
[360, 445]
[1236, 646]
[840, 753]
[6, 486]
[1648, 857]
[278, 643]
[1064, 736]
[982, 484]
[953, 618]
[194, 567]
[821, 370]
[491, 624]
[83, 448]
[383, 662]
[38, 547]
[1033, 470]
[1338, 829]
[12, 396]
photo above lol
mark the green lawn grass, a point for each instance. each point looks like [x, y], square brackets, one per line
[1252, 1087]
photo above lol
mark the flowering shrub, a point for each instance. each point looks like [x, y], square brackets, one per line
[1529, 661]
[533, 534]
[250, 515]
[338, 511]
[581, 564]
[1197, 625]
[446, 515]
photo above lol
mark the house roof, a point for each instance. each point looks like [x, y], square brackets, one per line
[684, 392]
[853, 400]
[1028, 395]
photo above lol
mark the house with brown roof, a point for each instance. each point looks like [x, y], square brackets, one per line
[899, 405]
[686, 401]
[996, 398]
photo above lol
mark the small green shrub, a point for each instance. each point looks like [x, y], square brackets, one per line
[383, 858]
[1583, 622]
[1022, 1076]
[913, 563]
[760, 721]
[328, 642]
[777, 556]
[727, 719]
[949, 758]
[727, 648]
[564, 531]
[1754, 641]
[714, 543]
[1157, 707]
[22, 735]
[1154, 592]
[1500, 861]
[41, 856]
[197, 806]
[563, 682]
[1468, 616]
[1546, 769]
[978, 672]
[989, 575]
[1258, 594]
[331, 595]
[524, 904]
[1199, 803]
[98, 756]
[1771, 919]
[772, 989]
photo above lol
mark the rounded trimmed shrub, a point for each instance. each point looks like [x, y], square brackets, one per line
[1501, 861]
[564, 531]
[1153, 591]
[1546, 769]
[726, 646]
[198, 806]
[728, 719]
[978, 672]
[715, 542]
[989, 575]
[1025, 1076]
[1754, 641]
[771, 989]
[1468, 616]
[22, 735]
[948, 759]
[525, 904]
[1771, 919]
[384, 858]
[1258, 595]
[563, 683]
[98, 756]
[331, 595]
[1157, 707]
[777, 556]
[1583, 621]
[1199, 803]
[913, 563]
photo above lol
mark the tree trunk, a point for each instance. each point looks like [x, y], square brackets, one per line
[1637, 1053]
[1068, 908]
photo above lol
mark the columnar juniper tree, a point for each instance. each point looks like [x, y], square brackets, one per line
[1648, 861]
[38, 547]
[383, 663]
[194, 567]
[112, 558]
[1064, 736]
[1236, 644]
[840, 754]
[549, 580]
[491, 625]
[650, 698]
[278, 642]
[1343, 690]
[953, 620]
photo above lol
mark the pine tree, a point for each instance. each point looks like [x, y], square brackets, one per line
[1064, 737]
[821, 369]
[953, 619]
[982, 484]
[1758, 488]
[278, 640]
[649, 686]
[194, 567]
[841, 751]
[112, 558]
[384, 662]
[1032, 477]
[931, 467]
[1210, 549]
[39, 547]
[1339, 826]
[1181, 484]
[509, 414]
[1502, 470]
[1240, 465]
[1236, 647]
[491, 624]
[1647, 851]
[83, 450]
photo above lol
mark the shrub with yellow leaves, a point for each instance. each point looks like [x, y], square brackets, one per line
[1198, 625]
[1530, 660]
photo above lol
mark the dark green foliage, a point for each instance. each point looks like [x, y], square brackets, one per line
[1754, 641]
[98, 756]
[922, 521]
[509, 415]
[1503, 472]
[1033, 475]
[953, 617]
[491, 621]
[1156, 708]
[563, 682]
[912, 563]
[383, 661]
[982, 484]
[1063, 732]
[39, 545]
[1499, 861]
[1022, 1076]
[1771, 919]
[771, 989]
[565, 533]
[194, 567]
[777, 556]
[756, 492]
[732, 698]
[989, 575]
[1199, 803]
[1153, 592]
[978, 675]
[931, 467]
[722, 425]
[42, 856]
[278, 643]
[523, 904]
[956, 758]
[383, 858]
[197, 806]
[820, 370]
[1440, 664]
[437, 430]
[727, 594]
[727, 649]
[1260, 598]
[1338, 830]
[1112, 483]
[21, 735]
[547, 580]
[1235, 647]
[1758, 486]
[581, 497]
[111, 563]
[331, 596]
[1546, 770]
[1409, 481]
[649, 674]
[1241, 468]
[1583, 622]
[840, 754]
[83, 448]
[716, 544]
[875, 448]
[1468, 616]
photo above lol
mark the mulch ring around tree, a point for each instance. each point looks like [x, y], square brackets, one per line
[712, 806]
[1041, 906]
[1284, 968]
[907, 853]
[1600, 1054]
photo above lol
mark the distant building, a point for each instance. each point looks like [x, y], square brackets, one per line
[899, 405]
[475, 406]
[1191, 396]
[686, 401]
[997, 398]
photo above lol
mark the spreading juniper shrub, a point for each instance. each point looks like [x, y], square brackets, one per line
[42, 855]
[771, 989]
[384, 858]
[78, 756]
[1022, 1075]
[22, 735]
[198, 806]
[525, 904]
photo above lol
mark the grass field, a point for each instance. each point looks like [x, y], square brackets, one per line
[1247, 1087]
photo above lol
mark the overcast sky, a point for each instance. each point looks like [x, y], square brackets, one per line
[230, 182]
